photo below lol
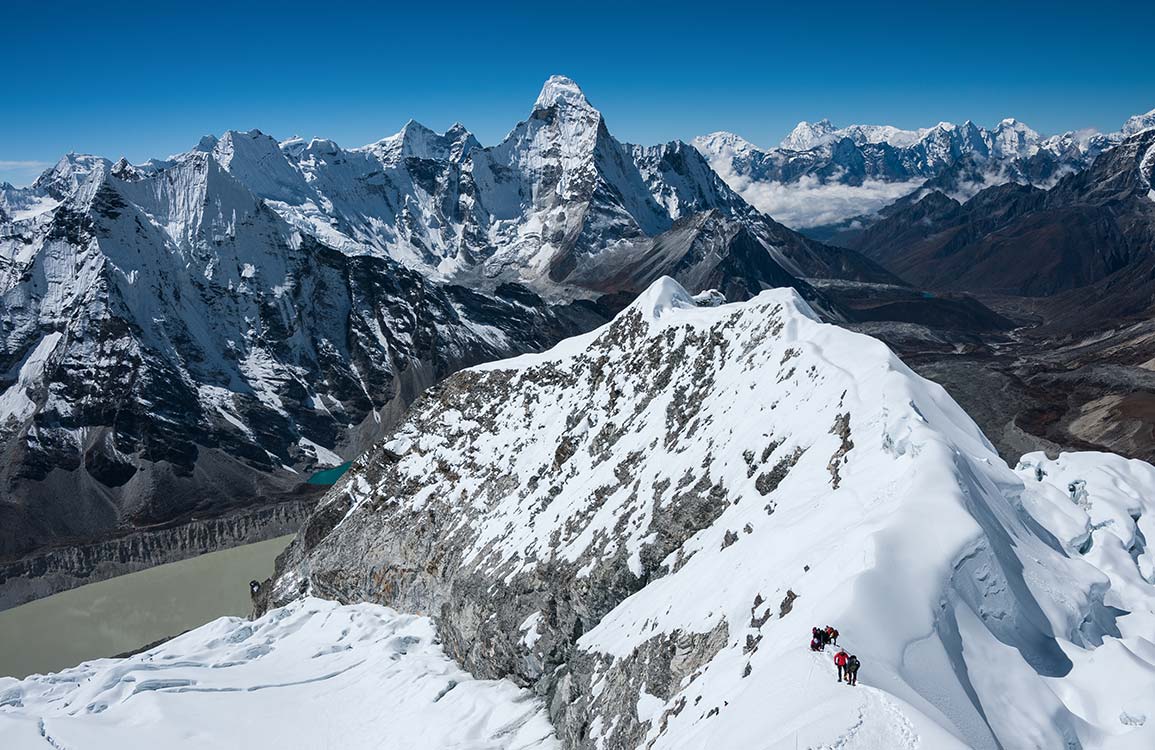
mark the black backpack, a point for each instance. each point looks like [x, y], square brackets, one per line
[852, 664]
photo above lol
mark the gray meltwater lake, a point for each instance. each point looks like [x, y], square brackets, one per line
[127, 612]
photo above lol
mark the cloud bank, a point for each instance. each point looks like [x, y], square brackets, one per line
[811, 203]
[21, 171]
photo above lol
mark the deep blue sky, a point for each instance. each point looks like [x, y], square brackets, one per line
[141, 80]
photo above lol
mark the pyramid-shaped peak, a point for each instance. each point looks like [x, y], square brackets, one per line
[413, 128]
[560, 90]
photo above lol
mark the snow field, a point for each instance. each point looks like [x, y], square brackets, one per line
[314, 674]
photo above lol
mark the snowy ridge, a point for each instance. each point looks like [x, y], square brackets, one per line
[419, 142]
[1010, 138]
[645, 521]
[806, 136]
[313, 674]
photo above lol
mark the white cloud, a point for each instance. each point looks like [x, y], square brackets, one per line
[21, 171]
[18, 164]
[811, 203]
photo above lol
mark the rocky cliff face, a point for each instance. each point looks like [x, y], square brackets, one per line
[643, 523]
[69, 565]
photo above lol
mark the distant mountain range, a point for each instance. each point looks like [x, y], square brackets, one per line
[841, 173]
[1020, 240]
[1073, 266]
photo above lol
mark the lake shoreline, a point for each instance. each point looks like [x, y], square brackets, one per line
[59, 569]
[132, 613]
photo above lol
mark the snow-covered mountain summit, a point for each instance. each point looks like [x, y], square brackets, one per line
[561, 90]
[643, 523]
[415, 141]
[1139, 123]
[807, 135]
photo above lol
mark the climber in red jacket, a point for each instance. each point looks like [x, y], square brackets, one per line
[840, 662]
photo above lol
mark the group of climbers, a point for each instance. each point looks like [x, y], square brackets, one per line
[821, 638]
[847, 664]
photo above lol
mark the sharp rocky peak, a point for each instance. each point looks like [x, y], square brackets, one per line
[69, 174]
[457, 130]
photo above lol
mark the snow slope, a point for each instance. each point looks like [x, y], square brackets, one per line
[1100, 507]
[313, 674]
[644, 522]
